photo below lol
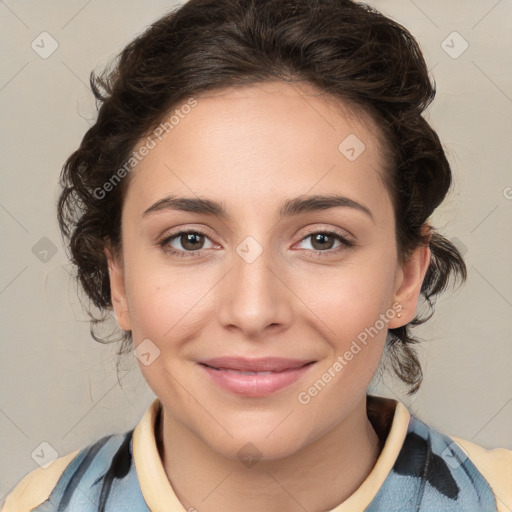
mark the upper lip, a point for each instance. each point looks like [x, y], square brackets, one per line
[263, 364]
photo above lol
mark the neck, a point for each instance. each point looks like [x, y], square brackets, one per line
[205, 480]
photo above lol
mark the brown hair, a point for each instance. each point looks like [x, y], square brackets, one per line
[343, 48]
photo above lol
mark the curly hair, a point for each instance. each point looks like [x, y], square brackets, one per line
[343, 48]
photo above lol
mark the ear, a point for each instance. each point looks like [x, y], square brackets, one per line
[118, 290]
[408, 282]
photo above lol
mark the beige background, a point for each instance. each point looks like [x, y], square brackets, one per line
[60, 386]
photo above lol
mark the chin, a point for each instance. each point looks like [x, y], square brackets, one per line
[255, 444]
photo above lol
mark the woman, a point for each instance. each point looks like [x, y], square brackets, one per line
[234, 140]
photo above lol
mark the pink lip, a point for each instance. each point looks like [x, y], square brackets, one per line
[284, 373]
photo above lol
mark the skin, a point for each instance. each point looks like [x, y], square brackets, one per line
[252, 148]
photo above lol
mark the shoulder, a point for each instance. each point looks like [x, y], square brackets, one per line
[37, 485]
[495, 465]
[86, 464]
[457, 471]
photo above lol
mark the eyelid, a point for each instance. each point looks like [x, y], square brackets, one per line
[336, 231]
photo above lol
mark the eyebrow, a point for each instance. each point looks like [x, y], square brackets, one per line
[295, 206]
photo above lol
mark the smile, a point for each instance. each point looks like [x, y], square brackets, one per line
[256, 383]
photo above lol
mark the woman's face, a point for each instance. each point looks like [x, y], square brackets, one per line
[268, 279]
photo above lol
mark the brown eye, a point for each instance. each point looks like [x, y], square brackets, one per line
[191, 241]
[185, 243]
[325, 243]
[322, 241]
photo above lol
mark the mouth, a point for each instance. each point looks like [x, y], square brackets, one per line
[240, 372]
[263, 365]
[255, 377]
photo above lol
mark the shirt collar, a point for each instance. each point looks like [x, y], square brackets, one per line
[385, 415]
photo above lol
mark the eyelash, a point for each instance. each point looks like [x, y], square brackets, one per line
[345, 243]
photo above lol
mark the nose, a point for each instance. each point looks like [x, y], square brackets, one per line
[255, 298]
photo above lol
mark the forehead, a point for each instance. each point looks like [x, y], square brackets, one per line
[262, 142]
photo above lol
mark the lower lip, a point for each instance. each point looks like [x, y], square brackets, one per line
[256, 385]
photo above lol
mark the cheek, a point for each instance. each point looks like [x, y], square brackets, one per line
[161, 305]
[352, 317]
[349, 298]
[351, 306]
[167, 303]
[164, 309]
